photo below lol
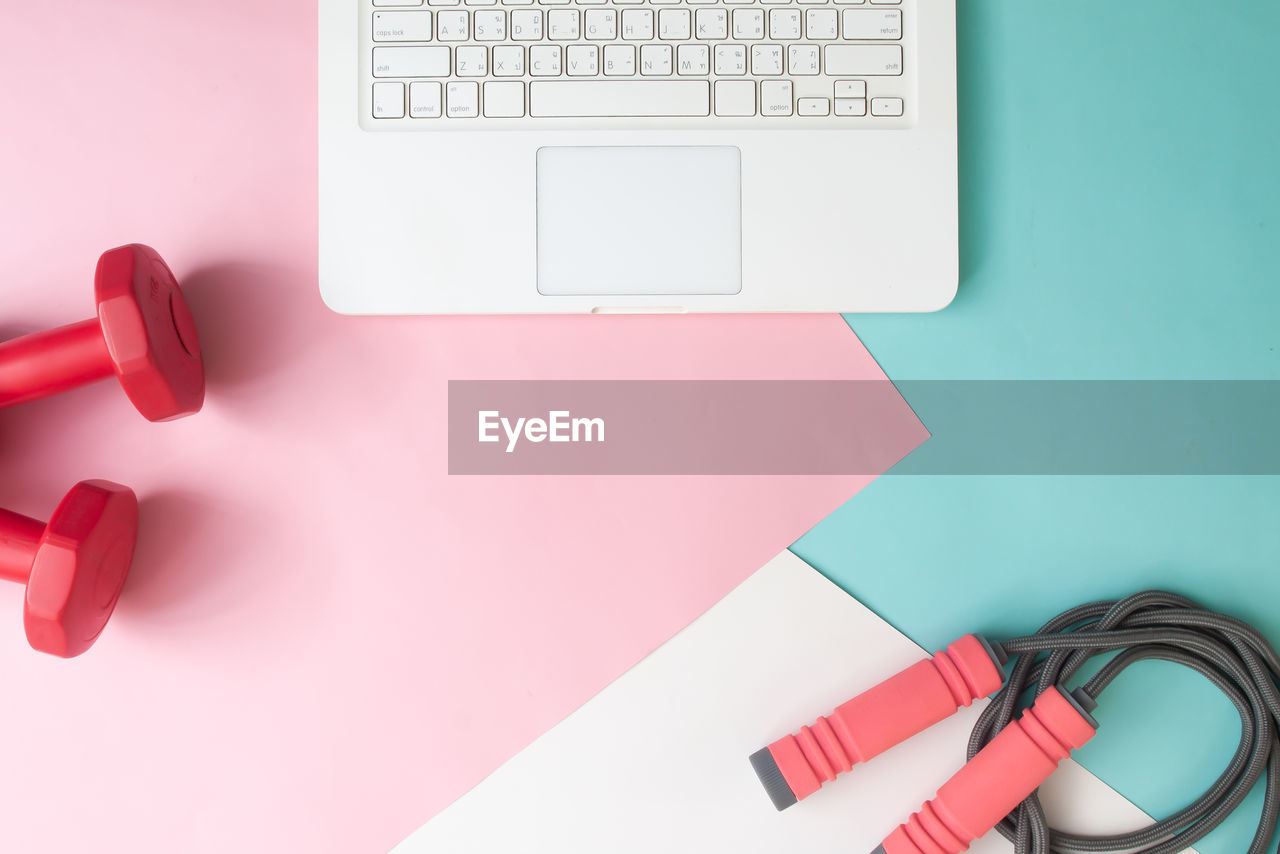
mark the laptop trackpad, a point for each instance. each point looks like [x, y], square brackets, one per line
[639, 220]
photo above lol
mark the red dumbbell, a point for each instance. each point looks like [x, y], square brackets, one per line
[74, 567]
[144, 334]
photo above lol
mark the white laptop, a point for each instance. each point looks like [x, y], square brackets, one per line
[564, 156]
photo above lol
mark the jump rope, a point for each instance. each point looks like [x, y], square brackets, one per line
[1034, 721]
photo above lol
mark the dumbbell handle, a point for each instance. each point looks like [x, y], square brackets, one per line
[1001, 776]
[51, 362]
[19, 538]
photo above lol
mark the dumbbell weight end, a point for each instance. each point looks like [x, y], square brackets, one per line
[74, 566]
[143, 334]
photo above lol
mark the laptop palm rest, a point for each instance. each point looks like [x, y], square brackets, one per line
[639, 220]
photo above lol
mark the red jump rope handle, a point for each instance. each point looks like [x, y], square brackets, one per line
[796, 766]
[993, 783]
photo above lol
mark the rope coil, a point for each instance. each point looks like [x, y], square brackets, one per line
[1150, 625]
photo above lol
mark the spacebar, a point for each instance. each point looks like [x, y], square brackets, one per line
[621, 98]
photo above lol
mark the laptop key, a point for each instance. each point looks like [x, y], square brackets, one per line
[411, 62]
[813, 107]
[859, 60]
[388, 100]
[424, 99]
[851, 106]
[885, 24]
[463, 100]
[886, 106]
[775, 97]
[735, 98]
[602, 98]
[504, 100]
[402, 26]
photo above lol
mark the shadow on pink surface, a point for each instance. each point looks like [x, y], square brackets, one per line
[172, 581]
[246, 346]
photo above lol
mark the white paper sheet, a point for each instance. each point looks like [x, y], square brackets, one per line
[657, 762]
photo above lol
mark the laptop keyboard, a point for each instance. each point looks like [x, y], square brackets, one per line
[441, 64]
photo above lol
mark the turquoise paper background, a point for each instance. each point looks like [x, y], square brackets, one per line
[1119, 195]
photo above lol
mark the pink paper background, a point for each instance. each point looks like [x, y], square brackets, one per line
[325, 639]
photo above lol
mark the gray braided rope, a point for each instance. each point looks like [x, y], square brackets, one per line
[1150, 625]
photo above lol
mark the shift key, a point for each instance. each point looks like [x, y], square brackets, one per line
[411, 61]
[864, 60]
